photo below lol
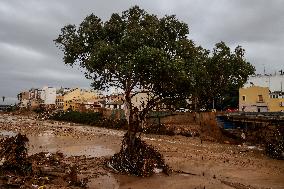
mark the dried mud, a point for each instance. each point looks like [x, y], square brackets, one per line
[196, 163]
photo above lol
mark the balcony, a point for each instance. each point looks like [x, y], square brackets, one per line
[261, 104]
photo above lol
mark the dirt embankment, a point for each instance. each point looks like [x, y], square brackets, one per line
[201, 124]
[196, 163]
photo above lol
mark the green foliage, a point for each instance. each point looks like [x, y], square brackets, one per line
[134, 50]
[78, 117]
[89, 118]
[137, 50]
[218, 75]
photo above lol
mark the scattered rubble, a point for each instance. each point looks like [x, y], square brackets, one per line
[190, 155]
[275, 148]
[18, 170]
[14, 156]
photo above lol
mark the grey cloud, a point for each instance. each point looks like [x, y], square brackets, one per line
[29, 58]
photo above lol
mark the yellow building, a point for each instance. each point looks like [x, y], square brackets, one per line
[76, 96]
[259, 99]
[276, 102]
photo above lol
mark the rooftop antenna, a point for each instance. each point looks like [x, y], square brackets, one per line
[264, 70]
[269, 81]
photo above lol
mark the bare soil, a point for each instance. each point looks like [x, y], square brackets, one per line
[195, 163]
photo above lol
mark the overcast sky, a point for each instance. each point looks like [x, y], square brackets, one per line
[29, 58]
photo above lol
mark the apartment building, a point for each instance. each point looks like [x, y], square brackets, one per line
[48, 95]
[260, 99]
[77, 96]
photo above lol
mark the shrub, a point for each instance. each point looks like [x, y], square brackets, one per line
[89, 118]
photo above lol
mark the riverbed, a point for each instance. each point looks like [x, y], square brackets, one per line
[196, 163]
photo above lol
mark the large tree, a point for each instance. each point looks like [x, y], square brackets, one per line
[132, 51]
[219, 75]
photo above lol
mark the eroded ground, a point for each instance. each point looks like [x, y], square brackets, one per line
[196, 164]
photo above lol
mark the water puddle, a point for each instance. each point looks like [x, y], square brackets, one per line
[104, 181]
[89, 151]
[69, 146]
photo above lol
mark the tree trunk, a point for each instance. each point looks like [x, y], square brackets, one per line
[131, 132]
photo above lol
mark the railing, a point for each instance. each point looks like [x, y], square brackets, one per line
[261, 103]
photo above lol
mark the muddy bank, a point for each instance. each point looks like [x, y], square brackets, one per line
[200, 163]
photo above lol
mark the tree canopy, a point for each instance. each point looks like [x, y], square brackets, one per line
[221, 74]
[137, 50]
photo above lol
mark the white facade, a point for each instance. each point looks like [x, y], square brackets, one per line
[140, 100]
[273, 82]
[48, 95]
[24, 103]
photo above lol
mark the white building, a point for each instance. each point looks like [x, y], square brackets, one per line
[24, 103]
[140, 100]
[275, 82]
[48, 95]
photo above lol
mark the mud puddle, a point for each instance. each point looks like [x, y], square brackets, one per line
[69, 146]
[104, 181]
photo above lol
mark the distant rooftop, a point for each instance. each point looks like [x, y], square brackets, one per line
[275, 82]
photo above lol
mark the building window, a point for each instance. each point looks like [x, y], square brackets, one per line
[244, 98]
[260, 98]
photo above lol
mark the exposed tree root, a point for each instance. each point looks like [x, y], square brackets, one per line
[138, 158]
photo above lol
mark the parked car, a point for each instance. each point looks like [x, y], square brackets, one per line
[232, 110]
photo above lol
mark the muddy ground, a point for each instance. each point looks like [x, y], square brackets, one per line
[196, 163]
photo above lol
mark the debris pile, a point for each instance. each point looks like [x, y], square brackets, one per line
[275, 147]
[18, 170]
[139, 159]
[14, 157]
[47, 114]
